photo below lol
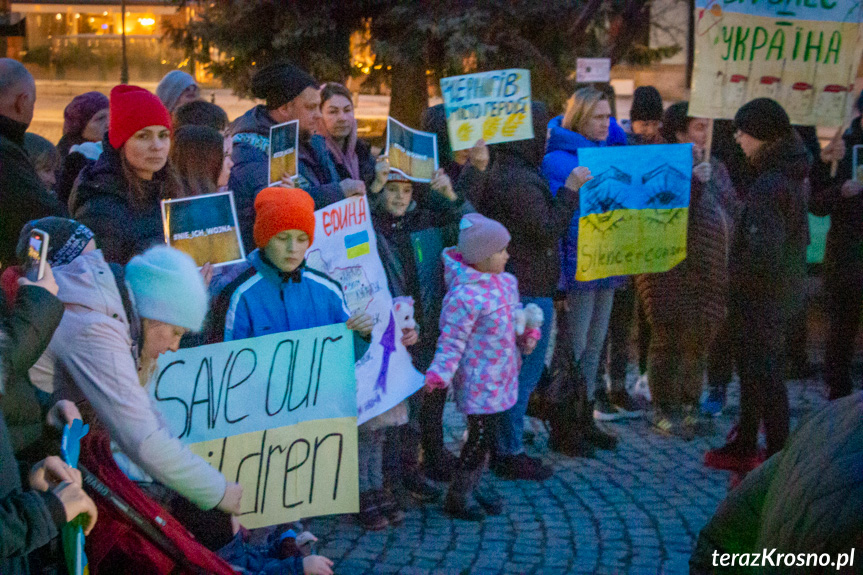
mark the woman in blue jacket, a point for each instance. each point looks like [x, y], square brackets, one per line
[587, 123]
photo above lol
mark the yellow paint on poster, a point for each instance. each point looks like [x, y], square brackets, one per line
[291, 472]
[627, 242]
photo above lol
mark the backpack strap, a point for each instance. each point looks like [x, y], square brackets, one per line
[134, 324]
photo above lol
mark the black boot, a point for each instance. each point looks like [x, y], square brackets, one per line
[459, 502]
[566, 430]
[595, 436]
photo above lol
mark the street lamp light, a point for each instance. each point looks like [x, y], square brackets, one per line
[124, 66]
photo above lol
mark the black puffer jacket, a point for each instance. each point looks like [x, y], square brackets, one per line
[28, 519]
[805, 499]
[23, 197]
[518, 196]
[844, 250]
[101, 200]
[767, 264]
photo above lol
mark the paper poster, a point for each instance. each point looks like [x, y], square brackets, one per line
[284, 147]
[411, 152]
[634, 212]
[205, 227]
[818, 228]
[802, 54]
[494, 106]
[345, 249]
[275, 413]
[593, 70]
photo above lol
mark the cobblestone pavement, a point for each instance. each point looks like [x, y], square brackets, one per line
[636, 510]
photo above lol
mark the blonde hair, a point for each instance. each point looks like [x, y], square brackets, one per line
[580, 108]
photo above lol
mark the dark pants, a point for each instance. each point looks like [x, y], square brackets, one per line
[720, 358]
[211, 528]
[760, 356]
[431, 423]
[625, 311]
[482, 430]
[844, 290]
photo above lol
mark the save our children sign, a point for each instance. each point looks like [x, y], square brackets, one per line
[803, 54]
[345, 249]
[275, 413]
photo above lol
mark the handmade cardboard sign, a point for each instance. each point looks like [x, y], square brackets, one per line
[494, 106]
[634, 212]
[802, 54]
[275, 413]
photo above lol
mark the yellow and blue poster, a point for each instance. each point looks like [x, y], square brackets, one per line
[634, 212]
[276, 413]
[804, 55]
[494, 106]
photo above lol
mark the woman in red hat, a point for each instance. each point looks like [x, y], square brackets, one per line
[119, 196]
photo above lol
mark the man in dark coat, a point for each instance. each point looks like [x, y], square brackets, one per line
[290, 94]
[23, 197]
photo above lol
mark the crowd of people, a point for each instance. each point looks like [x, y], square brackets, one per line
[493, 235]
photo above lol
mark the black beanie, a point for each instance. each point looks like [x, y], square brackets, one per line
[763, 119]
[279, 83]
[646, 104]
[675, 121]
[66, 239]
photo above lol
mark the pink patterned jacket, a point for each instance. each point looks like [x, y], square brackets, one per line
[477, 350]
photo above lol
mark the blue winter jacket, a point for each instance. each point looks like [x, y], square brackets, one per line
[561, 157]
[262, 300]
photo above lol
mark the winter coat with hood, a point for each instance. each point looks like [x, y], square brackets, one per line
[28, 519]
[410, 249]
[477, 350]
[560, 159]
[102, 201]
[93, 358]
[264, 300]
[844, 250]
[518, 196]
[251, 172]
[696, 288]
[23, 196]
[805, 499]
[767, 260]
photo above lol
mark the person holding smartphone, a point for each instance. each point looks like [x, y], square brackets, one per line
[30, 519]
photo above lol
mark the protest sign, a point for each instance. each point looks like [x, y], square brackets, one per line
[275, 413]
[494, 106]
[593, 69]
[803, 55]
[411, 152]
[284, 147]
[634, 212]
[345, 249]
[205, 227]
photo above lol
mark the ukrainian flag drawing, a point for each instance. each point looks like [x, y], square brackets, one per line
[635, 210]
[357, 244]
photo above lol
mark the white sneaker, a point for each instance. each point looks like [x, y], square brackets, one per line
[641, 388]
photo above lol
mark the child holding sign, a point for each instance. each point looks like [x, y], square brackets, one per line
[477, 352]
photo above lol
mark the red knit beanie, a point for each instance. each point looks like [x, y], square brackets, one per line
[280, 209]
[132, 109]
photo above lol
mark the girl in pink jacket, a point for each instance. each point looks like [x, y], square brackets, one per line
[477, 352]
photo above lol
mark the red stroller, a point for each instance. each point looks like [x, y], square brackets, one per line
[134, 534]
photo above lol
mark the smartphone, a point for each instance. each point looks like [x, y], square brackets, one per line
[37, 255]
